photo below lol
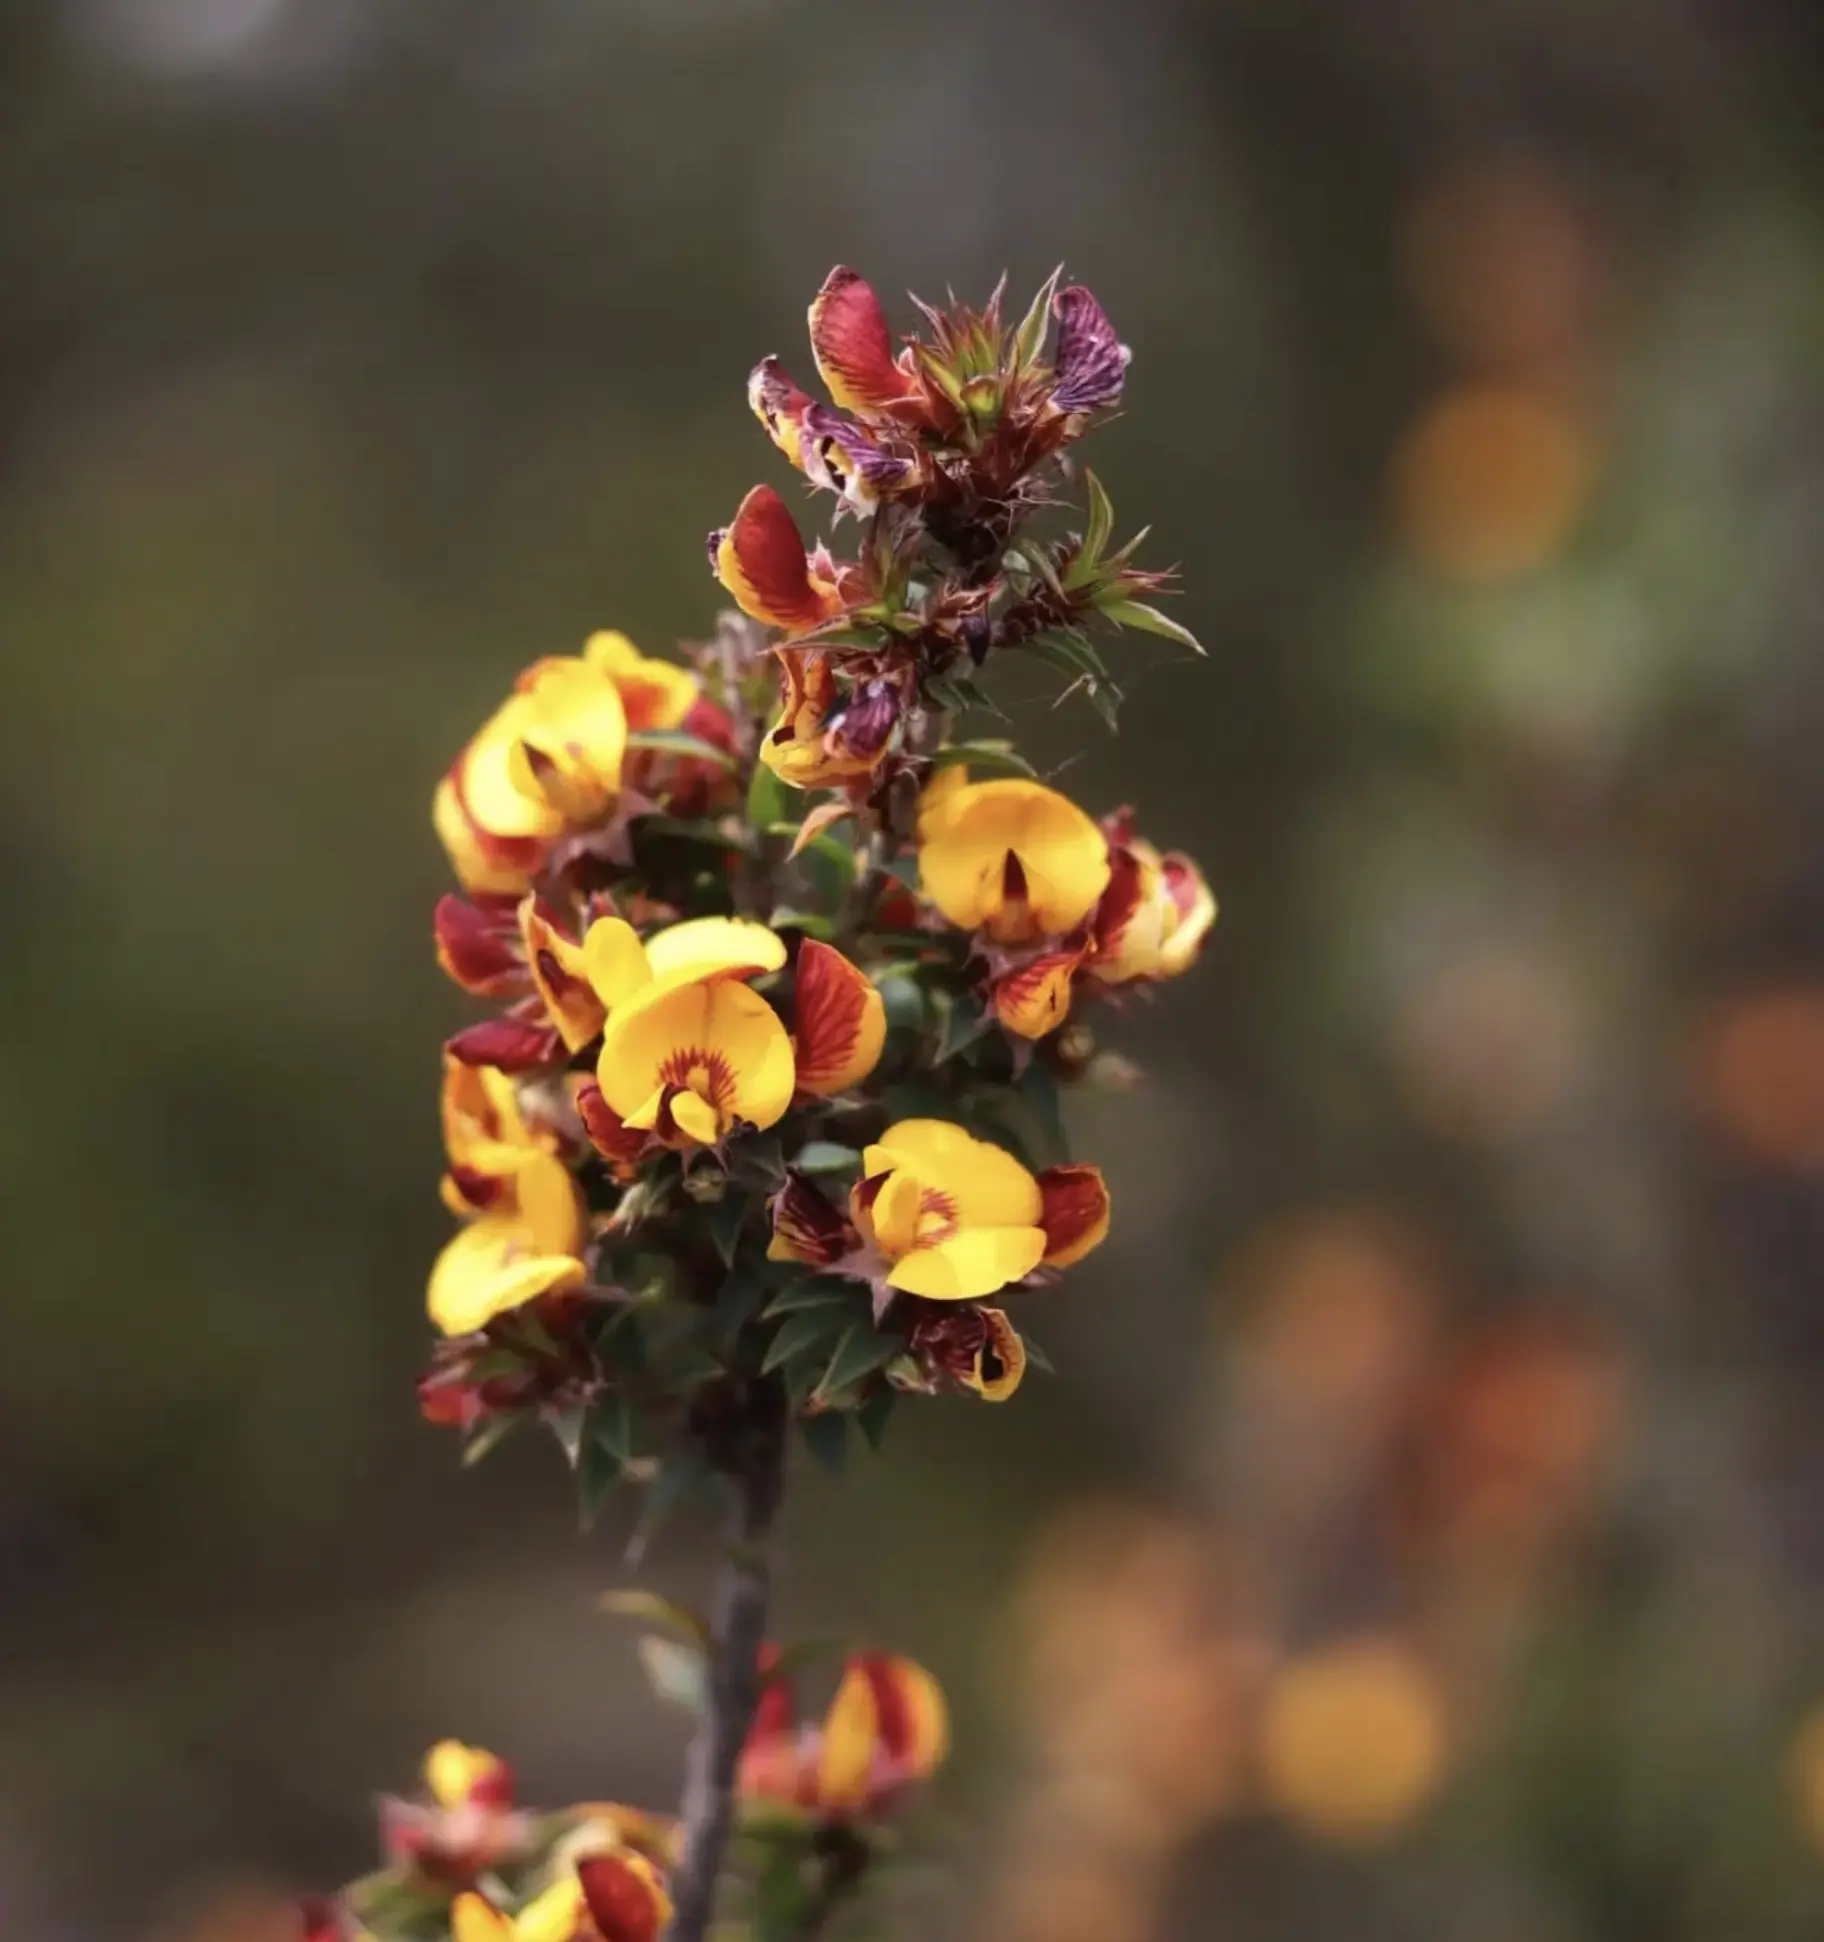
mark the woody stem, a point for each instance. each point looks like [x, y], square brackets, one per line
[737, 1632]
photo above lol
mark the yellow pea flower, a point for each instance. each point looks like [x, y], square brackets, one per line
[1009, 857]
[527, 1227]
[954, 1217]
[616, 1897]
[686, 1061]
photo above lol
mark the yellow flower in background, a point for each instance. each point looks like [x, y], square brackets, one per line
[1353, 1740]
[654, 693]
[1164, 915]
[1009, 857]
[457, 1775]
[610, 1897]
[887, 1728]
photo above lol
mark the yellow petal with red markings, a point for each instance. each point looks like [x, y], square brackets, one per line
[716, 1040]
[912, 1718]
[979, 1261]
[841, 1021]
[1012, 849]
[474, 1920]
[654, 694]
[1076, 1212]
[482, 1124]
[1035, 1000]
[853, 346]
[762, 562]
[848, 1746]
[560, 972]
[625, 1896]
[490, 1268]
[1000, 1363]
[707, 946]
[985, 1185]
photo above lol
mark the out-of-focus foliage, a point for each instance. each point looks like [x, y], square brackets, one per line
[1421, 1531]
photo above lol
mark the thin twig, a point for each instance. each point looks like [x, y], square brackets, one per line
[737, 1631]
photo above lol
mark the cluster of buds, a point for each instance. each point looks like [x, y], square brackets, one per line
[783, 989]
[465, 1861]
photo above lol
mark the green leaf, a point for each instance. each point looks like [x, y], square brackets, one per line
[1029, 339]
[1038, 1087]
[724, 1220]
[819, 1291]
[770, 801]
[826, 1156]
[653, 1608]
[1101, 524]
[992, 757]
[874, 1411]
[826, 1436]
[679, 1674]
[964, 1023]
[1035, 1356]
[1149, 620]
[598, 1470]
[687, 1474]
[567, 1426]
[674, 741]
[489, 1437]
[785, 918]
[612, 1426]
[860, 1352]
[737, 1302]
[803, 1336]
[1070, 650]
[1106, 701]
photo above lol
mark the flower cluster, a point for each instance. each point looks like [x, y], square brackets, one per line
[782, 995]
[466, 1860]
[783, 981]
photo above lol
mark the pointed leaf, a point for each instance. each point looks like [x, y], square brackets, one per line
[992, 757]
[674, 741]
[724, 1219]
[860, 1352]
[1029, 338]
[489, 1437]
[826, 1436]
[874, 1410]
[1101, 522]
[820, 1291]
[567, 1425]
[826, 1156]
[803, 1336]
[679, 1673]
[612, 1426]
[819, 819]
[598, 1470]
[770, 801]
[1149, 620]
[652, 1608]
[737, 1302]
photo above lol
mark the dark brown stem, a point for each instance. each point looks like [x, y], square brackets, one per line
[737, 1632]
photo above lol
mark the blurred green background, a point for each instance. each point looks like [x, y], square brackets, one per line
[1423, 1533]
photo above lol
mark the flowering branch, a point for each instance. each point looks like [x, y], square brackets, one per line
[762, 1133]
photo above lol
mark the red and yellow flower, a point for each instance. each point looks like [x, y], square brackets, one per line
[824, 737]
[551, 758]
[939, 1214]
[760, 557]
[526, 1218]
[688, 1056]
[1010, 858]
[887, 1729]
[470, 1823]
[617, 1896]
